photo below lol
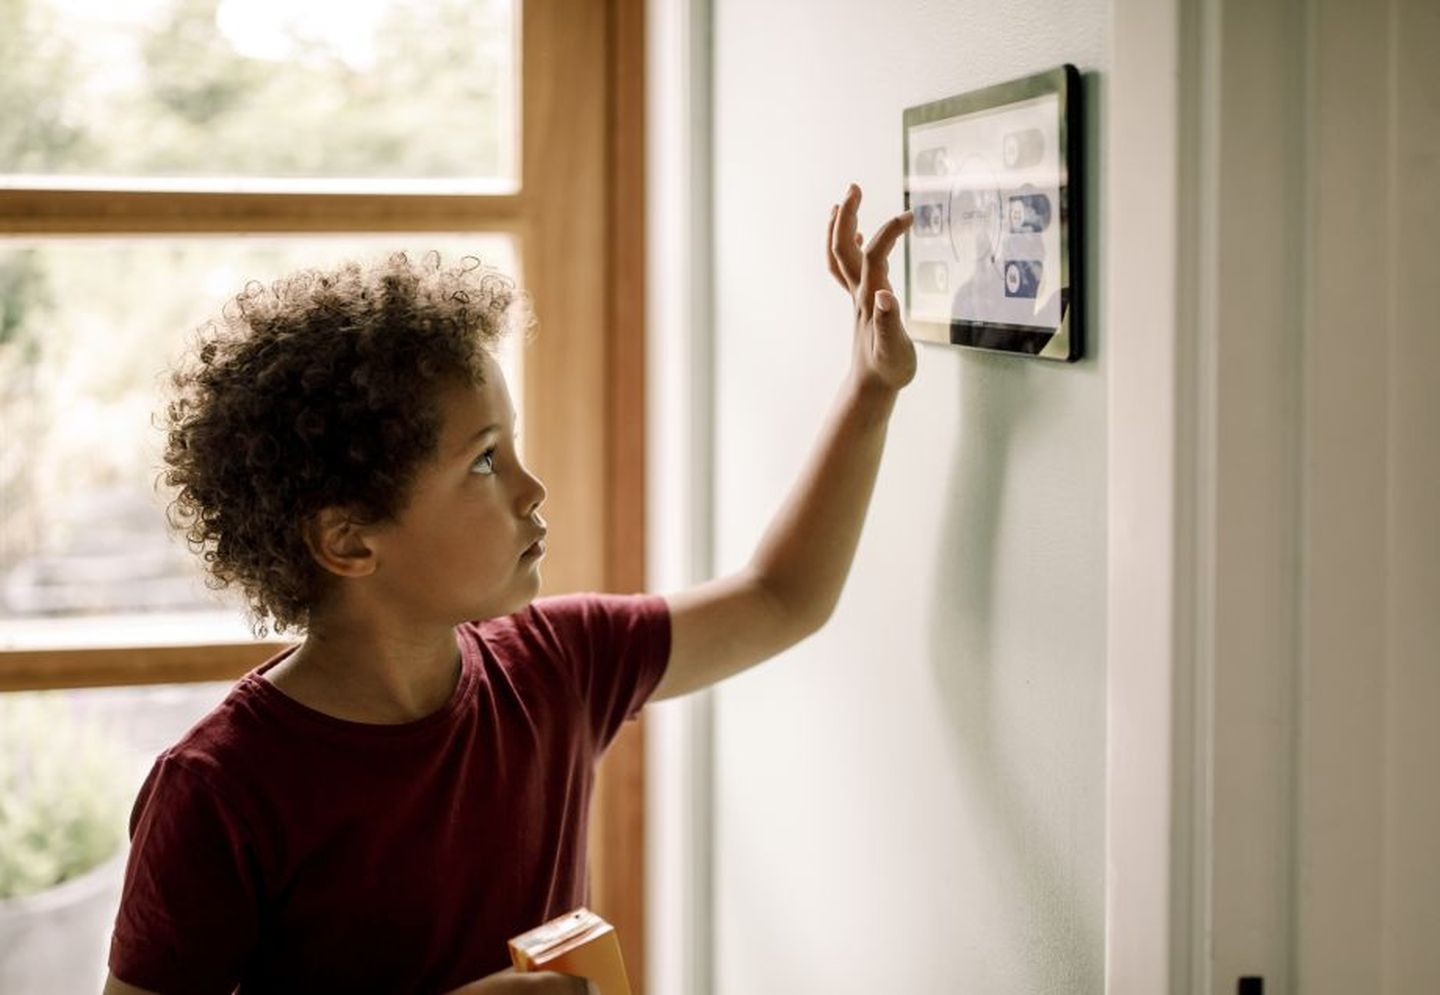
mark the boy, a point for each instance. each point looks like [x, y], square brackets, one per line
[383, 806]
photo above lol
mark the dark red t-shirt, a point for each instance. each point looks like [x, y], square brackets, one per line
[279, 849]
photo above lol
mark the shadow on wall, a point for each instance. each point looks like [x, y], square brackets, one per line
[1004, 399]
[1000, 395]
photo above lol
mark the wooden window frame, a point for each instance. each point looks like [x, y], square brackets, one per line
[578, 220]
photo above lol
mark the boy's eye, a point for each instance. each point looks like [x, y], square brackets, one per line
[486, 457]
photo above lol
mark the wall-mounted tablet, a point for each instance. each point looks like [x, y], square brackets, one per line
[993, 260]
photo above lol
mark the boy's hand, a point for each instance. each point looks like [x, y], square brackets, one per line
[883, 352]
[512, 982]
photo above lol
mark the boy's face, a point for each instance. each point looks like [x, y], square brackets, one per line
[457, 550]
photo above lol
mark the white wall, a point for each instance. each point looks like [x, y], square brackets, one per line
[913, 799]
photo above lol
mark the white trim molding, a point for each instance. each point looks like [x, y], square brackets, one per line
[680, 536]
[1148, 557]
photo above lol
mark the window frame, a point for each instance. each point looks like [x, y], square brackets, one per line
[579, 236]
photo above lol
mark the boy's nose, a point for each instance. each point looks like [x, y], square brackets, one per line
[535, 498]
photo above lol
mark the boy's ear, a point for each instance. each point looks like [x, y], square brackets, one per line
[339, 543]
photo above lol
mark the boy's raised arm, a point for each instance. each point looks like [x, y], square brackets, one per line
[792, 583]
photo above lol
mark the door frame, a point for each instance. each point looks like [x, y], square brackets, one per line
[1205, 284]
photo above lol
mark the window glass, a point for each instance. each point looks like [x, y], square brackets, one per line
[420, 90]
[71, 763]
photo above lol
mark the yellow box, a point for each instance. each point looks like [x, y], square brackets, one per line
[578, 943]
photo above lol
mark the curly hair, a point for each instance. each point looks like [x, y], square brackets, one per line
[320, 390]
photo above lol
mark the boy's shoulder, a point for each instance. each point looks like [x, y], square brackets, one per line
[578, 624]
[223, 736]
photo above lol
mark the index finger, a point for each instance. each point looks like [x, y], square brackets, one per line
[874, 266]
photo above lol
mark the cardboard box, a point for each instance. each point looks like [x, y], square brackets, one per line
[578, 943]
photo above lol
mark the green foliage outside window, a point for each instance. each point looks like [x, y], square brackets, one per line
[65, 793]
[176, 95]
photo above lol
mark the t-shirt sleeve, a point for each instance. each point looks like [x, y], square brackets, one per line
[189, 907]
[616, 648]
